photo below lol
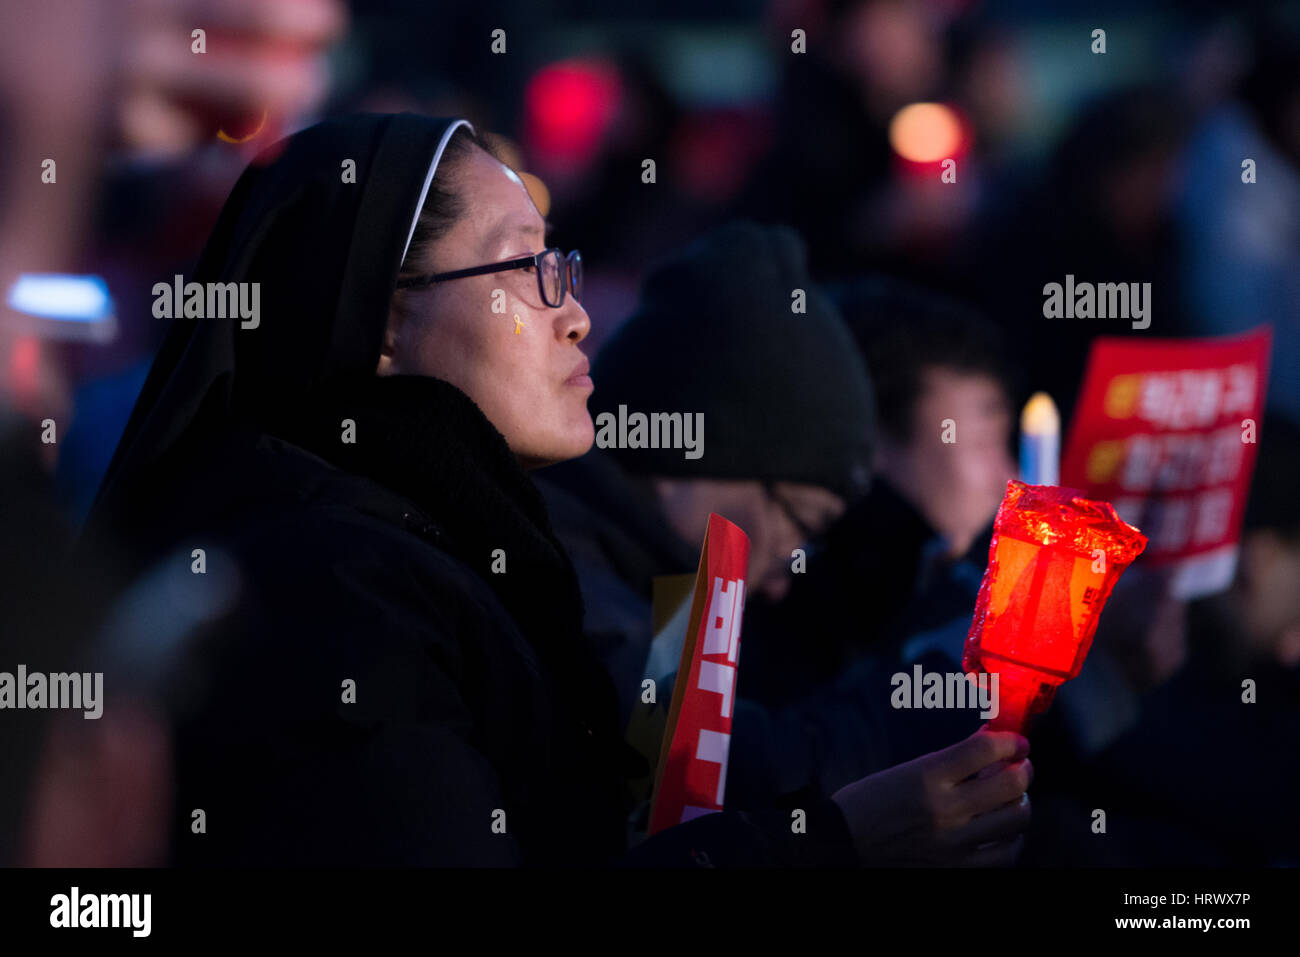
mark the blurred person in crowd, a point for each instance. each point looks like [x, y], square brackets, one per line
[1239, 211]
[81, 83]
[402, 676]
[181, 117]
[942, 390]
[590, 156]
[622, 114]
[1238, 689]
[84, 81]
[1102, 209]
[830, 157]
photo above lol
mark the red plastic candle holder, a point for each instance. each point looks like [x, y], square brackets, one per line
[1054, 559]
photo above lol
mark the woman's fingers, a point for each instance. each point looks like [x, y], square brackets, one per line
[996, 826]
[969, 757]
[979, 795]
[936, 808]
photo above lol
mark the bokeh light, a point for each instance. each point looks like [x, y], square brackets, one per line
[568, 108]
[925, 132]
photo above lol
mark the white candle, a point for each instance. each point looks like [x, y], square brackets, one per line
[1040, 441]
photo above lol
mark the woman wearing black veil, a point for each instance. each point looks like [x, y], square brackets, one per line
[401, 678]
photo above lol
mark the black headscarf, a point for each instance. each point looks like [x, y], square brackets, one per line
[325, 251]
[327, 254]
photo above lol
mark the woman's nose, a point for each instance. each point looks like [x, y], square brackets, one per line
[571, 321]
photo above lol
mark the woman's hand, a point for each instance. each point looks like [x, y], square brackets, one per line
[963, 806]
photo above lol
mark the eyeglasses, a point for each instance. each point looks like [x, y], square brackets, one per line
[557, 274]
[807, 531]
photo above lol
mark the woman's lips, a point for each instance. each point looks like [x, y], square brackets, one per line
[581, 377]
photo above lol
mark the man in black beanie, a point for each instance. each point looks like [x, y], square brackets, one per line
[733, 328]
[736, 388]
[733, 388]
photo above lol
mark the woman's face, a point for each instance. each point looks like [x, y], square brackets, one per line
[521, 366]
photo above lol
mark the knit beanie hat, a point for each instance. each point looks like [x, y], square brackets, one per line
[732, 328]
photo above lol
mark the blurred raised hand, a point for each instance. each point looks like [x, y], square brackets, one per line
[263, 63]
[82, 79]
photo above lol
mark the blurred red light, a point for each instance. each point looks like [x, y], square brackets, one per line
[568, 108]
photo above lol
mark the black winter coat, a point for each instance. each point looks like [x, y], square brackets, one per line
[360, 691]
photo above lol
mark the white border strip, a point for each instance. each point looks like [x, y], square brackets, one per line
[1205, 574]
[428, 181]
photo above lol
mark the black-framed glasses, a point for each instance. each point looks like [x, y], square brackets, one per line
[804, 529]
[557, 274]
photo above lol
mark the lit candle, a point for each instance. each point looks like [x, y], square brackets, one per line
[1040, 441]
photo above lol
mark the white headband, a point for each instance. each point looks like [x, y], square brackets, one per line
[428, 180]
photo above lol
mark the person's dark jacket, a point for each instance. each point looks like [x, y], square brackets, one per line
[369, 699]
[619, 541]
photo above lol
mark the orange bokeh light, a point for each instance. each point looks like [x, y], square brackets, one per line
[925, 132]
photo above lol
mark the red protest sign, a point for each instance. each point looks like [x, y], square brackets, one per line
[692, 773]
[1166, 430]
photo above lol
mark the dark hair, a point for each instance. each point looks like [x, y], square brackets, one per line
[902, 330]
[444, 204]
